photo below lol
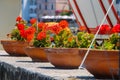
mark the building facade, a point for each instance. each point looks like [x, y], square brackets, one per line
[45, 7]
[117, 5]
[39, 8]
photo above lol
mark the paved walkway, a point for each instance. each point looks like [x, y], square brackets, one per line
[43, 68]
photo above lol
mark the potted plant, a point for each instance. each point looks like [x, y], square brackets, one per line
[64, 53]
[20, 37]
[42, 39]
[103, 60]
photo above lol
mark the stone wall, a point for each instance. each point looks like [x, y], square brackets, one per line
[9, 72]
[23, 68]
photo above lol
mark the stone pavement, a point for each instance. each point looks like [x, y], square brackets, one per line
[22, 68]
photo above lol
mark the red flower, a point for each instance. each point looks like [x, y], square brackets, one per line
[56, 29]
[82, 28]
[33, 20]
[20, 26]
[41, 35]
[51, 38]
[103, 29]
[47, 28]
[116, 28]
[18, 18]
[28, 34]
[41, 25]
[30, 37]
[63, 24]
[30, 30]
[23, 34]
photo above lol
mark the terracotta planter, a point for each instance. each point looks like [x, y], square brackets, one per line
[102, 63]
[36, 54]
[14, 48]
[64, 57]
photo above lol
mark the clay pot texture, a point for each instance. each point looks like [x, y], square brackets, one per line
[14, 48]
[102, 63]
[67, 58]
[36, 54]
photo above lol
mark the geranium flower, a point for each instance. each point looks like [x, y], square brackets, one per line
[82, 28]
[46, 28]
[56, 29]
[104, 29]
[33, 20]
[116, 28]
[63, 24]
[20, 26]
[113, 39]
[23, 34]
[30, 30]
[19, 19]
[41, 25]
[30, 37]
[18, 32]
[28, 34]
[41, 35]
[45, 34]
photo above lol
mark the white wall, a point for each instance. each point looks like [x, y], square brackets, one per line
[9, 10]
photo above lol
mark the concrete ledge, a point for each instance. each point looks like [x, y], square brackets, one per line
[9, 72]
[22, 68]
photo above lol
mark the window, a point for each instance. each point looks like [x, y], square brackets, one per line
[40, 6]
[31, 10]
[46, 1]
[31, 17]
[31, 2]
[35, 2]
[117, 1]
[52, 7]
[45, 7]
[35, 11]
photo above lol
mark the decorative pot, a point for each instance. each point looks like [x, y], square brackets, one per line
[14, 48]
[102, 63]
[36, 54]
[64, 57]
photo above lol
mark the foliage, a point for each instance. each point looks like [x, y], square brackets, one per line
[50, 34]
[60, 35]
[65, 39]
[46, 42]
[22, 32]
[84, 39]
[65, 12]
[15, 35]
[112, 42]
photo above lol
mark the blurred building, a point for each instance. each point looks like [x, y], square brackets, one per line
[62, 5]
[39, 8]
[45, 7]
[117, 2]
